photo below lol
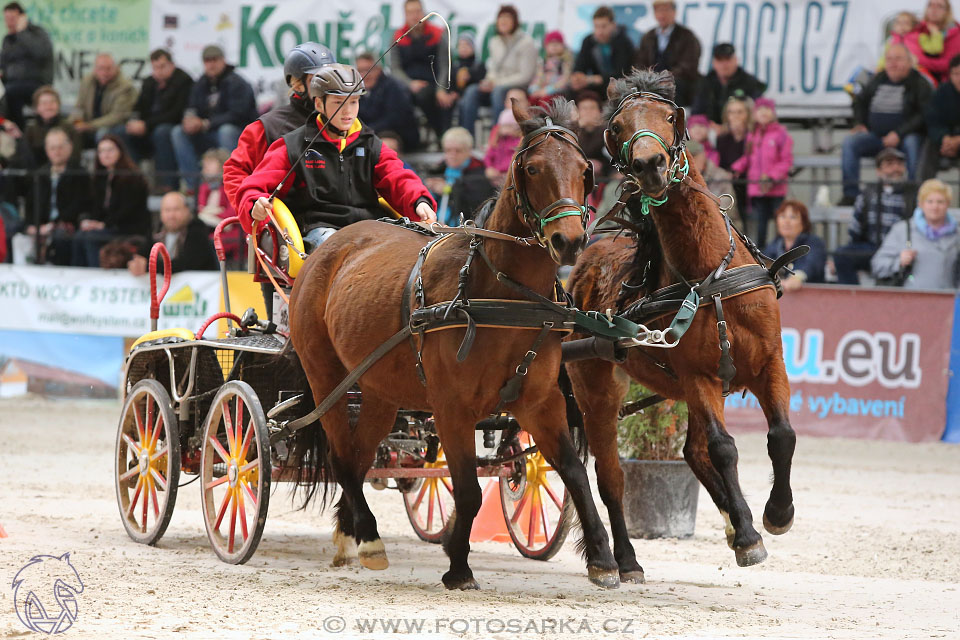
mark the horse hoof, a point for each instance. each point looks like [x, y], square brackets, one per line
[774, 529]
[463, 584]
[372, 555]
[632, 577]
[606, 578]
[752, 555]
[340, 560]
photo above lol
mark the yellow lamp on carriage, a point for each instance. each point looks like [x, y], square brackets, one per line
[286, 223]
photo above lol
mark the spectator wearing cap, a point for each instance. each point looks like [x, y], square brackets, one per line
[221, 104]
[459, 183]
[606, 53]
[512, 63]
[159, 108]
[921, 252]
[887, 113]
[418, 58]
[468, 69]
[943, 125]
[26, 60]
[105, 100]
[387, 105]
[766, 164]
[727, 79]
[794, 229]
[553, 70]
[671, 47]
[875, 211]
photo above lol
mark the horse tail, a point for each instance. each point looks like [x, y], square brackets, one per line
[574, 415]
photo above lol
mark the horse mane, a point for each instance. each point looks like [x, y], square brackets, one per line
[559, 110]
[647, 260]
[482, 214]
[660, 83]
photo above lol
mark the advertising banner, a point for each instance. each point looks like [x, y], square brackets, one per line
[804, 49]
[865, 363]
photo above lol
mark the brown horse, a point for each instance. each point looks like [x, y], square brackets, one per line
[348, 299]
[690, 240]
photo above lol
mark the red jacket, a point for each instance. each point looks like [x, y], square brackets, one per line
[400, 187]
[250, 150]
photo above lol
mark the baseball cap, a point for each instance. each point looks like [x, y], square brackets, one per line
[212, 52]
[723, 51]
[890, 153]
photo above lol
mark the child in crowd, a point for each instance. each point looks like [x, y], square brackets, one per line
[553, 70]
[699, 128]
[718, 180]
[467, 70]
[213, 206]
[766, 164]
[503, 143]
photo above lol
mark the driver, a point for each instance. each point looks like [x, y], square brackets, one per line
[337, 177]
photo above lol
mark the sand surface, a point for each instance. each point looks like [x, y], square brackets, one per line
[874, 553]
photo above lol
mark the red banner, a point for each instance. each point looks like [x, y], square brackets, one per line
[864, 363]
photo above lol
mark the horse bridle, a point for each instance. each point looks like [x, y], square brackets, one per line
[534, 219]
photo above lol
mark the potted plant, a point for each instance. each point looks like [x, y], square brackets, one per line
[660, 490]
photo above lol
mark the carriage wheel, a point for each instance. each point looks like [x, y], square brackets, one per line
[235, 472]
[147, 462]
[535, 505]
[429, 503]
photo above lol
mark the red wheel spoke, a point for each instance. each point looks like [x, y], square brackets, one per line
[532, 519]
[216, 483]
[253, 498]
[223, 509]
[129, 474]
[446, 483]
[228, 425]
[519, 507]
[219, 449]
[148, 421]
[156, 505]
[147, 485]
[140, 430]
[238, 424]
[543, 516]
[423, 491]
[557, 501]
[136, 495]
[156, 430]
[253, 464]
[243, 516]
[159, 479]
[132, 446]
[443, 513]
[246, 440]
[233, 525]
[159, 454]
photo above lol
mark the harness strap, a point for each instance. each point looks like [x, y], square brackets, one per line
[470, 228]
[725, 371]
[510, 391]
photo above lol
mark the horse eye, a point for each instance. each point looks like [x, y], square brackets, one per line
[671, 119]
[532, 171]
[615, 128]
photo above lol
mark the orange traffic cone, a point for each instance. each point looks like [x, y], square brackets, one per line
[3, 532]
[489, 525]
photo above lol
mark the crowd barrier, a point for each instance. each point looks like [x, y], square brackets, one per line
[866, 363]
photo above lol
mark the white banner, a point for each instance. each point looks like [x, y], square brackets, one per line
[101, 301]
[804, 49]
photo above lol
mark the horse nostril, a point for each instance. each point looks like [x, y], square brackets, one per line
[638, 165]
[558, 242]
[661, 163]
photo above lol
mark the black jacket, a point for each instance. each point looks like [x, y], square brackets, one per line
[194, 250]
[164, 106]
[74, 195]
[27, 57]
[712, 94]
[589, 61]
[943, 114]
[226, 99]
[125, 211]
[285, 118]
[916, 94]
[681, 58]
[387, 106]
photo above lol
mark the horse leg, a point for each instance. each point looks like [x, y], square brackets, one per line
[774, 398]
[695, 452]
[722, 450]
[461, 453]
[343, 534]
[548, 426]
[600, 400]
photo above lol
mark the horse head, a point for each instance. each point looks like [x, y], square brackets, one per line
[646, 131]
[551, 178]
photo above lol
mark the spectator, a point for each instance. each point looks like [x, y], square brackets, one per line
[63, 195]
[159, 108]
[936, 40]
[26, 60]
[875, 211]
[793, 229]
[417, 61]
[46, 106]
[671, 47]
[766, 164]
[590, 121]
[604, 54]
[921, 253]
[221, 104]
[467, 70]
[887, 113]
[213, 206]
[105, 100]
[699, 128]
[903, 23]
[737, 119]
[943, 125]
[299, 67]
[392, 140]
[387, 104]
[726, 80]
[459, 184]
[553, 70]
[719, 181]
[503, 143]
[120, 204]
[186, 238]
[512, 63]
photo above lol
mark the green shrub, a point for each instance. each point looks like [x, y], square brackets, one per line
[656, 433]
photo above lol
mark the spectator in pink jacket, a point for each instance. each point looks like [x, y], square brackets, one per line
[766, 163]
[699, 128]
[938, 23]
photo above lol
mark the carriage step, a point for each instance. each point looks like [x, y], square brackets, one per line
[283, 406]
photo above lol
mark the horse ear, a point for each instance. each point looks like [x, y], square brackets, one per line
[610, 141]
[681, 125]
[611, 88]
[519, 112]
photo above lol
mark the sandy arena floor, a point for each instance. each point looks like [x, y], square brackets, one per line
[875, 552]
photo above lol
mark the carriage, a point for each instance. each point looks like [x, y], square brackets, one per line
[215, 407]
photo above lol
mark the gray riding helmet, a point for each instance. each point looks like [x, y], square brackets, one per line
[338, 80]
[306, 58]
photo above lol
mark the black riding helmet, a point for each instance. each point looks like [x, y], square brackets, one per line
[336, 80]
[305, 58]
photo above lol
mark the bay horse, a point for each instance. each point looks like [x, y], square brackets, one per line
[688, 240]
[349, 298]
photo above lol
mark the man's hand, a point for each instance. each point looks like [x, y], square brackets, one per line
[426, 212]
[137, 265]
[137, 128]
[485, 85]
[417, 85]
[11, 127]
[907, 256]
[793, 283]
[80, 126]
[192, 125]
[446, 98]
[91, 225]
[262, 208]
[891, 139]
